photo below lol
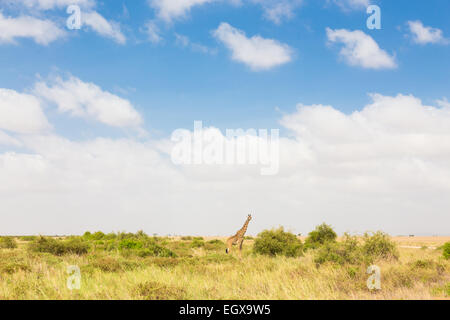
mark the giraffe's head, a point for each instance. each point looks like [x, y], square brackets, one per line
[249, 217]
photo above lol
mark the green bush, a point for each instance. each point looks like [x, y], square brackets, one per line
[130, 244]
[321, 235]
[144, 248]
[197, 243]
[28, 238]
[214, 245]
[8, 243]
[278, 242]
[345, 252]
[156, 251]
[98, 235]
[379, 245]
[59, 247]
[446, 250]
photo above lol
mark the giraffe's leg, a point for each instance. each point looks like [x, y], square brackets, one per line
[240, 247]
[229, 244]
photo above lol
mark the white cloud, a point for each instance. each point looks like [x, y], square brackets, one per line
[278, 10]
[274, 10]
[359, 49]
[352, 4]
[444, 103]
[424, 35]
[181, 40]
[185, 42]
[7, 140]
[103, 27]
[45, 31]
[52, 4]
[152, 31]
[378, 168]
[21, 113]
[41, 31]
[82, 99]
[256, 52]
[172, 9]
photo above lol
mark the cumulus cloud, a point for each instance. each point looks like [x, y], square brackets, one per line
[152, 31]
[52, 4]
[83, 99]
[359, 49]
[21, 113]
[46, 31]
[385, 167]
[256, 52]
[169, 10]
[444, 103]
[41, 31]
[424, 35]
[103, 27]
[278, 10]
[7, 140]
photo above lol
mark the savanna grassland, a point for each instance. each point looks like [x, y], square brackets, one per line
[274, 265]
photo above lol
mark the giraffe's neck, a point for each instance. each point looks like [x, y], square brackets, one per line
[242, 231]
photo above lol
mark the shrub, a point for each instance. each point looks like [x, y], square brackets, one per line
[422, 264]
[215, 241]
[130, 244]
[379, 245]
[144, 248]
[278, 242]
[126, 235]
[446, 250]
[186, 238]
[322, 234]
[156, 251]
[214, 245]
[197, 243]
[349, 251]
[345, 252]
[13, 267]
[98, 235]
[8, 243]
[28, 238]
[59, 247]
[87, 235]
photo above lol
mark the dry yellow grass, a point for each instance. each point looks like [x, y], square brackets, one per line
[25, 275]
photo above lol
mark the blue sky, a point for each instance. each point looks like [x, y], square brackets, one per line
[86, 115]
[172, 86]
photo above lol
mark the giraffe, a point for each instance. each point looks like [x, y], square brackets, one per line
[238, 238]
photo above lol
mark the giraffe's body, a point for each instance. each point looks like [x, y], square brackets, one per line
[238, 238]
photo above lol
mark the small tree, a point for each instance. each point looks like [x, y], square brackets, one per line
[322, 234]
[379, 245]
[278, 242]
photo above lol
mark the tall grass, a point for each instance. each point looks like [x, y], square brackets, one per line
[208, 273]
